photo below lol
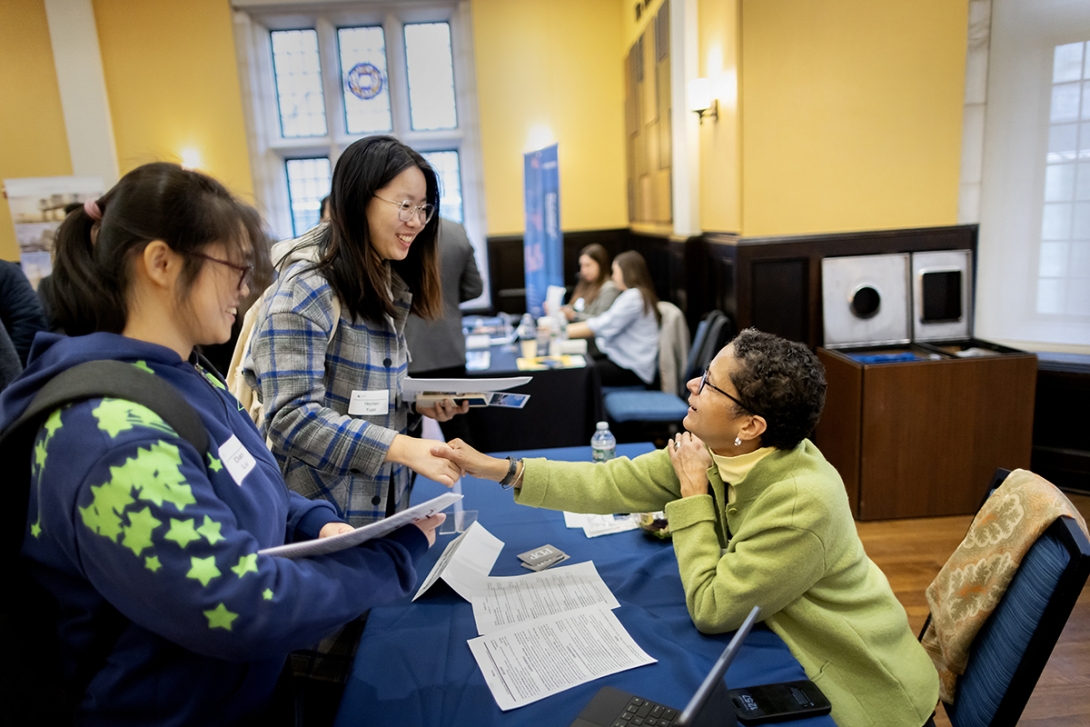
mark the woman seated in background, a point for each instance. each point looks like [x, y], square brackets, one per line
[594, 292]
[626, 336]
[758, 518]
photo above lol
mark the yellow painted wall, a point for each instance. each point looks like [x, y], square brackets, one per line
[33, 142]
[720, 148]
[851, 114]
[172, 80]
[558, 64]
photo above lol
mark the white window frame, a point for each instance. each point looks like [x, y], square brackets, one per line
[253, 21]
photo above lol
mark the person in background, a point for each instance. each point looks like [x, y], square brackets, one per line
[758, 517]
[335, 416]
[323, 209]
[151, 548]
[626, 336]
[595, 291]
[20, 310]
[9, 359]
[438, 348]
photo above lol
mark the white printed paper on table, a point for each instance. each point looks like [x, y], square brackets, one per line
[525, 663]
[507, 601]
[466, 562]
[321, 546]
[595, 525]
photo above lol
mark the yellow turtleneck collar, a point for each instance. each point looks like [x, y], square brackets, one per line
[733, 469]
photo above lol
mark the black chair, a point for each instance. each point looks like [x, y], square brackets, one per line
[1010, 651]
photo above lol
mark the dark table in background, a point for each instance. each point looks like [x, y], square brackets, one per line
[564, 406]
[414, 667]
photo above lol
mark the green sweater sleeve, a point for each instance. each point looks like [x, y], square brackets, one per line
[643, 484]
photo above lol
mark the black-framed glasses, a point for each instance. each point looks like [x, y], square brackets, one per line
[704, 382]
[245, 272]
[406, 210]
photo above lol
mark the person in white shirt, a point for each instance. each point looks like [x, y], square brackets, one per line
[626, 336]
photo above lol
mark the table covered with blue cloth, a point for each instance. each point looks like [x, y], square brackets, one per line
[414, 667]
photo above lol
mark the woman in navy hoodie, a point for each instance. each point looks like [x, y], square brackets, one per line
[125, 517]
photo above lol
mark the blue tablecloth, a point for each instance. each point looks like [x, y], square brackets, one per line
[414, 669]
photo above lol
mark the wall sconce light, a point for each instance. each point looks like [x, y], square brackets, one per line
[700, 99]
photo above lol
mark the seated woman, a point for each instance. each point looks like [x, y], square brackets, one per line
[168, 612]
[594, 292]
[626, 337]
[759, 518]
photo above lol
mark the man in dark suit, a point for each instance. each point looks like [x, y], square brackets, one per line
[438, 348]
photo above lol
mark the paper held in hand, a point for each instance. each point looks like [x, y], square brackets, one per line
[321, 546]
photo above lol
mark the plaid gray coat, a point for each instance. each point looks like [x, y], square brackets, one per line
[306, 385]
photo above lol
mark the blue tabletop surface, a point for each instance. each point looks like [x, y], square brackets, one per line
[414, 668]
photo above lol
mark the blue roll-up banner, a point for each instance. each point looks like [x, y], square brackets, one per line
[544, 243]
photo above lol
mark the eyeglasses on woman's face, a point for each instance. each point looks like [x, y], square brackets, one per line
[245, 272]
[704, 382]
[406, 210]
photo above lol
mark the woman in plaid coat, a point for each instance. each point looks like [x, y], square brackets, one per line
[330, 353]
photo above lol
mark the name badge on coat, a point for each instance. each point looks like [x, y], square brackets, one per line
[369, 403]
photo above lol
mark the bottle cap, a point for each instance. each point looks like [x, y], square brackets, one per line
[603, 425]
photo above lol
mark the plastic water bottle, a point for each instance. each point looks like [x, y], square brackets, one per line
[603, 444]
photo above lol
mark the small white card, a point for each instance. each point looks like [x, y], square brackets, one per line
[237, 459]
[369, 403]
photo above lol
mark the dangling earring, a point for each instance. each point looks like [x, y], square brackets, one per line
[738, 441]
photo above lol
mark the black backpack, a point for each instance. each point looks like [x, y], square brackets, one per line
[33, 689]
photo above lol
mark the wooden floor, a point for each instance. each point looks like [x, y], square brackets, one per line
[911, 552]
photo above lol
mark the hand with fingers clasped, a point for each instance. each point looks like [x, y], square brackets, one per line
[691, 461]
[472, 462]
[444, 410]
[420, 456]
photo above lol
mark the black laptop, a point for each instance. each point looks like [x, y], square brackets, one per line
[709, 707]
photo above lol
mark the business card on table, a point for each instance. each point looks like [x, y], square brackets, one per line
[509, 401]
[541, 558]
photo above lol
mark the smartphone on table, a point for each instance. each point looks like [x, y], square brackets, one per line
[778, 702]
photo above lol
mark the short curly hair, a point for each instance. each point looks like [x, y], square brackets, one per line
[782, 381]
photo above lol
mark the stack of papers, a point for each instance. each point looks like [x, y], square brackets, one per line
[478, 392]
[595, 525]
[541, 633]
[541, 363]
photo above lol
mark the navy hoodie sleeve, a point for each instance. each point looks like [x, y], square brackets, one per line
[149, 526]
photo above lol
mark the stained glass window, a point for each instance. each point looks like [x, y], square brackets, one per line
[431, 76]
[449, 171]
[298, 73]
[1063, 272]
[308, 183]
[365, 84]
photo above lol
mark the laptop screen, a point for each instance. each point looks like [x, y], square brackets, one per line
[715, 676]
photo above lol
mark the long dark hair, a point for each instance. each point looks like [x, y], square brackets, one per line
[349, 260]
[185, 209]
[635, 274]
[588, 290]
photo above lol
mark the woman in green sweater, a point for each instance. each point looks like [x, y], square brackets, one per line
[758, 517]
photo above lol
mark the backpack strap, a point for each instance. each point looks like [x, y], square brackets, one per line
[91, 380]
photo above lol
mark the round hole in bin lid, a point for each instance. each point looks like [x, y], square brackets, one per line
[865, 302]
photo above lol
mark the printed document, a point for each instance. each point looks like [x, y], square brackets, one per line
[503, 601]
[466, 562]
[528, 662]
[321, 546]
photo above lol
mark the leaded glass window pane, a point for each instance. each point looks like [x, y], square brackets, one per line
[449, 171]
[431, 76]
[364, 82]
[298, 73]
[308, 183]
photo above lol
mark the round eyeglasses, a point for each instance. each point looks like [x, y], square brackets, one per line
[406, 210]
[704, 382]
[245, 272]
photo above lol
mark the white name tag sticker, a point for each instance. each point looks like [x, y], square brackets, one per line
[237, 459]
[369, 403]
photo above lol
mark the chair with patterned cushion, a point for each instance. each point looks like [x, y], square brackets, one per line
[1010, 651]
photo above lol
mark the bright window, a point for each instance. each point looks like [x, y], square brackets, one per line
[318, 76]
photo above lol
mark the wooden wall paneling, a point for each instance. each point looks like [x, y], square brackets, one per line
[839, 430]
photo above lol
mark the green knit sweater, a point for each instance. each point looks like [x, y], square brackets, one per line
[792, 549]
